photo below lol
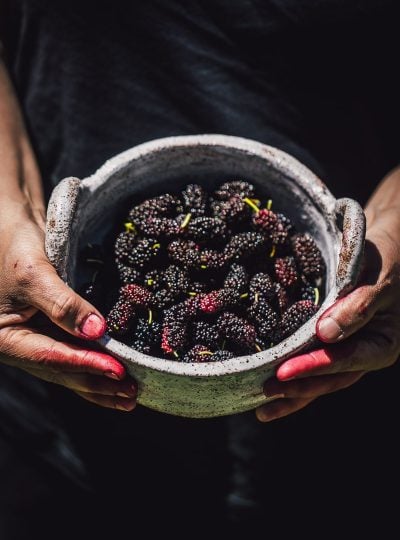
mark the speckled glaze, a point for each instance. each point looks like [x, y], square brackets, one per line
[82, 210]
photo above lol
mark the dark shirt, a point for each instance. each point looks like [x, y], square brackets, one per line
[314, 78]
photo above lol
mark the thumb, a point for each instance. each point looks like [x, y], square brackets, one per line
[348, 315]
[48, 293]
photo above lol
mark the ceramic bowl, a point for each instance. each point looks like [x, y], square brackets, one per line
[82, 210]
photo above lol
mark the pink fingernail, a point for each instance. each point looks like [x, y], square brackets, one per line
[92, 326]
[329, 330]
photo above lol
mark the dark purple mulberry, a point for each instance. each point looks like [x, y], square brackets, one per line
[204, 332]
[296, 316]
[308, 255]
[244, 244]
[194, 200]
[206, 228]
[221, 356]
[261, 287]
[233, 210]
[236, 329]
[237, 278]
[235, 187]
[185, 253]
[265, 319]
[199, 353]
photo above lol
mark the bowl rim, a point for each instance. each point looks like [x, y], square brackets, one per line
[282, 163]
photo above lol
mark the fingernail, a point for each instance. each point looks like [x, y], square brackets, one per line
[112, 375]
[123, 394]
[92, 326]
[125, 407]
[275, 396]
[329, 330]
[130, 393]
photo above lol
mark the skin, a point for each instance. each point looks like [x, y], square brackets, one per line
[361, 332]
[29, 283]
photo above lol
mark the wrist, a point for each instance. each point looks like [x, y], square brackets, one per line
[16, 209]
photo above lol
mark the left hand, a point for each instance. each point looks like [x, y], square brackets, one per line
[362, 330]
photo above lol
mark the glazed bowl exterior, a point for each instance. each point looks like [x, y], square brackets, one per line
[82, 211]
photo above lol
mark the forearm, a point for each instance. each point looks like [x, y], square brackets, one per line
[20, 181]
[383, 208]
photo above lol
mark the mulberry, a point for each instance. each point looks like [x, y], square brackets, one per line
[261, 286]
[184, 252]
[286, 271]
[221, 356]
[215, 301]
[206, 228]
[204, 332]
[243, 245]
[308, 255]
[235, 187]
[236, 329]
[194, 200]
[296, 316]
[237, 278]
[199, 353]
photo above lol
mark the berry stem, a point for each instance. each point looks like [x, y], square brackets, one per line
[150, 319]
[269, 204]
[273, 251]
[251, 204]
[185, 222]
[129, 227]
[316, 299]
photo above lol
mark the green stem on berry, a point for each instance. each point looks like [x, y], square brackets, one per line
[251, 204]
[175, 354]
[150, 282]
[150, 319]
[273, 251]
[156, 246]
[192, 293]
[205, 353]
[316, 298]
[185, 222]
[258, 348]
[130, 227]
[269, 204]
[244, 295]
[203, 267]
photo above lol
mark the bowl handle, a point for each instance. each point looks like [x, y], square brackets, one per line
[351, 220]
[60, 214]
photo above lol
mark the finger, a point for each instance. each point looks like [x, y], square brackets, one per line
[91, 384]
[349, 314]
[280, 408]
[110, 402]
[24, 347]
[311, 387]
[46, 291]
[367, 351]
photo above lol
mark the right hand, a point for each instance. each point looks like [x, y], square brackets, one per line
[28, 284]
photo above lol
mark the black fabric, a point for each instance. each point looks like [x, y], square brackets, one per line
[314, 78]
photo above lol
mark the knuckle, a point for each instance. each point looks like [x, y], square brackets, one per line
[64, 306]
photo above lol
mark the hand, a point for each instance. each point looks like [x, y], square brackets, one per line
[362, 330]
[28, 283]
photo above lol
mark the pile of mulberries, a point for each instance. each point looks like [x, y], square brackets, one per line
[205, 276]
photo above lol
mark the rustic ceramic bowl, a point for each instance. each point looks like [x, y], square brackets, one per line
[82, 210]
